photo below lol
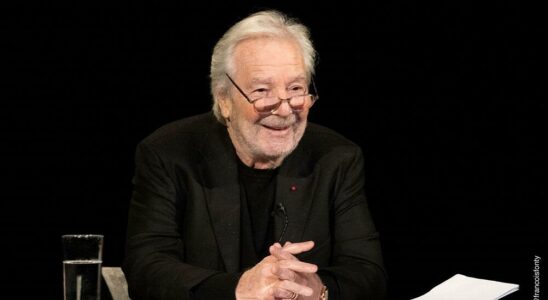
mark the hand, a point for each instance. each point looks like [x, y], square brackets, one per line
[260, 283]
[283, 271]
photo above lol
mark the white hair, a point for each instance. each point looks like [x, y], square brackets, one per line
[269, 23]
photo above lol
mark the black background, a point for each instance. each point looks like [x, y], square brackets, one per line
[446, 99]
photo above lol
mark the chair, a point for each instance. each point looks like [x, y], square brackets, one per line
[116, 282]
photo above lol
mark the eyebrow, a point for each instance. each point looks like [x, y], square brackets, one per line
[257, 80]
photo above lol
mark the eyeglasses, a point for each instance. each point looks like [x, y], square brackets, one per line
[266, 104]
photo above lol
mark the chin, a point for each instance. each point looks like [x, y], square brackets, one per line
[275, 151]
[280, 148]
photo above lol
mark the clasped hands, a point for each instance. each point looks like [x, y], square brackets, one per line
[281, 276]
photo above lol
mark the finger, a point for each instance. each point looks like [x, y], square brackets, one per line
[280, 293]
[297, 248]
[295, 287]
[279, 253]
[294, 248]
[284, 273]
[289, 249]
[297, 266]
[294, 265]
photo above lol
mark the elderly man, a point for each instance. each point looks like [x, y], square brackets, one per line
[250, 201]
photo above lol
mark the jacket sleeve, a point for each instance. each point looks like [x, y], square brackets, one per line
[356, 266]
[154, 260]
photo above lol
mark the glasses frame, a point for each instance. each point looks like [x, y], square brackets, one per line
[314, 97]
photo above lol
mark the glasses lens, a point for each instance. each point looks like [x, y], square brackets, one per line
[269, 104]
[297, 103]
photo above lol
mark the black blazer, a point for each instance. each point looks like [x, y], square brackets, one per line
[184, 218]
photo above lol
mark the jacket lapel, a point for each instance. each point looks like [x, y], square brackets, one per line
[295, 196]
[222, 191]
[294, 190]
[224, 211]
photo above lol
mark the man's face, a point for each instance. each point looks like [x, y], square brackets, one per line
[276, 65]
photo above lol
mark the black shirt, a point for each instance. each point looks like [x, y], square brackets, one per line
[257, 190]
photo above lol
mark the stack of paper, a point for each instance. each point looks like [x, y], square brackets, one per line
[460, 287]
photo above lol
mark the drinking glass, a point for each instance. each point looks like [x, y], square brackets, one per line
[82, 260]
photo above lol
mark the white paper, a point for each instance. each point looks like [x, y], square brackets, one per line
[460, 287]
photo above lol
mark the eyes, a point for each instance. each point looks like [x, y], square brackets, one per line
[265, 91]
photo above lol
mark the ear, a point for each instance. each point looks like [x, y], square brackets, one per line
[225, 106]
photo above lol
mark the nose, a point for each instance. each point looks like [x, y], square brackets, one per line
[284, 109]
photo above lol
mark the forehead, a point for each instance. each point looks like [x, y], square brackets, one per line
[265, 57]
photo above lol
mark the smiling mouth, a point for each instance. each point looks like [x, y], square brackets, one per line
[276, 128]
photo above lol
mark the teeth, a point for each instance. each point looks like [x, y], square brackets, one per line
[277, 127]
